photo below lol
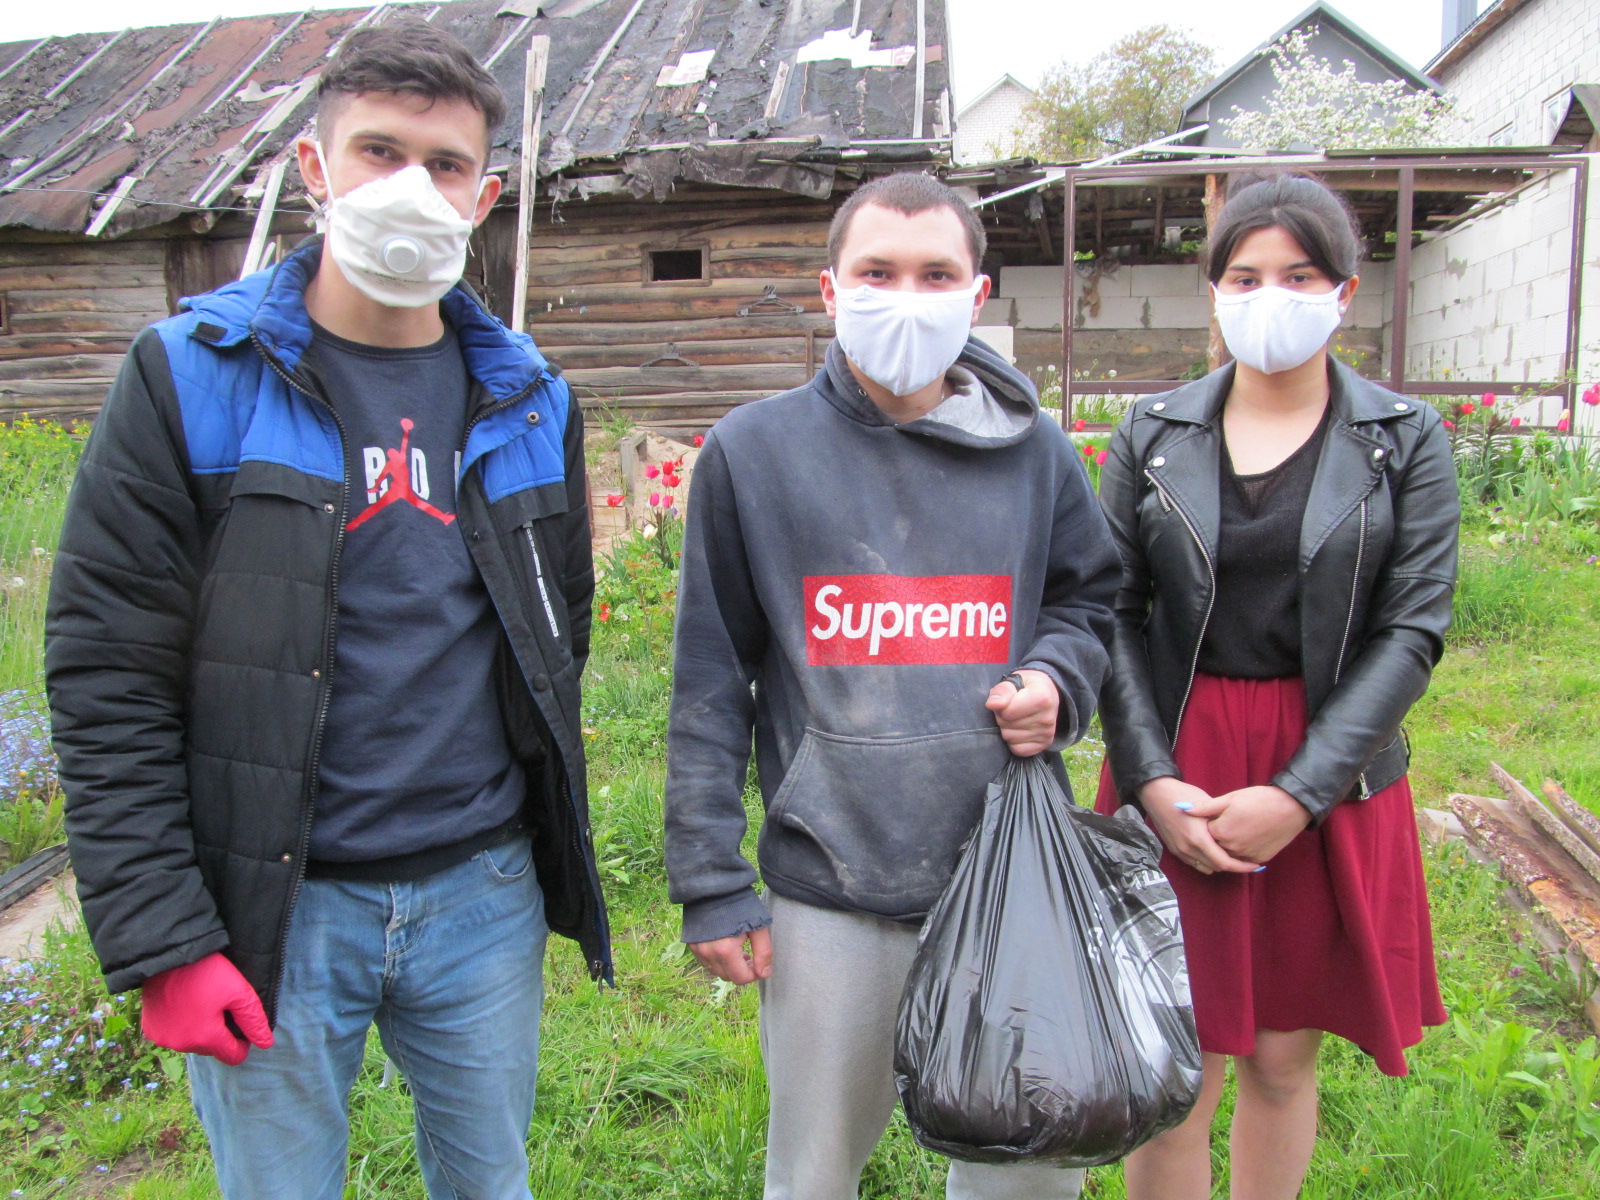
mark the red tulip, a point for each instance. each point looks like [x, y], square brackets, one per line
[1100, 459]
[1079, 425]
[1487, 400]
[671, 481]
[1563, 425]
[1591, 394]
[655, 499]
[1515, 421]
[1468, 408]
[605, 612]
[1088, 451]
[699, 439]
[613, 501]
[1449, 424]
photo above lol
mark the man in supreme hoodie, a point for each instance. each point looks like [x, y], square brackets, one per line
[892, 578]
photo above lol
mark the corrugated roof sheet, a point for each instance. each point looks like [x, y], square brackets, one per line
[154, 122]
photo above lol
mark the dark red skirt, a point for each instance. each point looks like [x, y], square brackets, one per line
[1334, 934]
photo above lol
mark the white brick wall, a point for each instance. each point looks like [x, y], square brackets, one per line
[986, 129]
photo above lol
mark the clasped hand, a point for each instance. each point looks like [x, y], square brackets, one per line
[1238, 831]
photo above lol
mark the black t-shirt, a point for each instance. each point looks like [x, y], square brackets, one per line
[414, 756]
[1254, 632]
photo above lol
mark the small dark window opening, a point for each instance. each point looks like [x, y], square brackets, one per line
[668, 265]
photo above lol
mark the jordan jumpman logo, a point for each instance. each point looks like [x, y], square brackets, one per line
[398, 473]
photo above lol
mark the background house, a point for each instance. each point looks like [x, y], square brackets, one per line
[1247, 84]
[1493, 295]
[986, 129]
[691, 154]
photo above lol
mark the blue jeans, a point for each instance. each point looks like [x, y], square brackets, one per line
[451, 969]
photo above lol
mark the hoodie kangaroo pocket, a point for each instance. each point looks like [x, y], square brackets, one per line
[876, 824]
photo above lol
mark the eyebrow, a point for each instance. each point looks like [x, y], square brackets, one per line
[875, 261]
[388, 139]
[1291, 267]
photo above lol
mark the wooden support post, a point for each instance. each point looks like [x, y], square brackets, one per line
[532, 128]
[264, 215]
[1158, 234]
[1216, 349]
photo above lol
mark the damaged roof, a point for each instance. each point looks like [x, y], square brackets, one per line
[108, 133]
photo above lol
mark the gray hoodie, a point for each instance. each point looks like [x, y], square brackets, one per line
[851, 590]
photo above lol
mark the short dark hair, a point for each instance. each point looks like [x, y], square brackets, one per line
[909, 193]
[410, 57]
[1304, 208]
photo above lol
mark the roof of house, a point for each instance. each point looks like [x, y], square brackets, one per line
[991, 90]
[1490, 19]
[1326, 16]
[107, 133]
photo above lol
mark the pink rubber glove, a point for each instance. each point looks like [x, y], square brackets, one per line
[184, 1010]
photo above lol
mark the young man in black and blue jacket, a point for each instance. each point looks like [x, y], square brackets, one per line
[892, 578]
[313, 647]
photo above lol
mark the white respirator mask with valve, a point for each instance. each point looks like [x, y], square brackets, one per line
[397, 239]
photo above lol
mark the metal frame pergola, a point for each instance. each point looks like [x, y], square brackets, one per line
[1347, 173]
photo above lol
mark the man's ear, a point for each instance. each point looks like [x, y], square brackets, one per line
[830, 293]
[488, 193]
[310, 163]
[985, 286]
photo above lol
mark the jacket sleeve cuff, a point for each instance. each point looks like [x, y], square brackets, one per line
[1068, 728]
[125, 979]
[1306, 795]
[724, 916]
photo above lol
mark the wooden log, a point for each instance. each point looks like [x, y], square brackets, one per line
[33, 392]
[92, 322]
[143, 252]
[82, 276]
[618, 333]
[41, 345]
[721, 237]
[577, 226]
[687, 379]
[706, 353]
[653, 306]
[99, 300]
[1548, 822]
[1579, 819]
[62, 366]
[594, 400]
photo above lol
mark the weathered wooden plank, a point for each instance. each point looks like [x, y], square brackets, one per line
[62, 366]
[100, 300]
[705, 354]
[687, 379]
[664, 304]
[707, 400]
[578, 226]
[1548, 822]
[42, 345]
[83, 392]
[598, 332]
[91, 322]
[143, 252]
[727, 241]
[1582, 822]
[81, 276]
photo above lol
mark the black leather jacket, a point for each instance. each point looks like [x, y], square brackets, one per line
[1377, 570]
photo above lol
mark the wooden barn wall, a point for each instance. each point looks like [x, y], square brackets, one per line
[592, 313]
[71, 311]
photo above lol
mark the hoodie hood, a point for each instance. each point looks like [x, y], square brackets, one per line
[1009, 387]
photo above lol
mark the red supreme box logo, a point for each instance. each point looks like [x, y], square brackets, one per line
[861, 620]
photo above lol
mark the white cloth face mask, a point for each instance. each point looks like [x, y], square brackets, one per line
[1274, 329]
[397, 239]
[903, 340]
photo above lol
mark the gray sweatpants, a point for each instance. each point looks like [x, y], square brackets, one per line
[827, 1035]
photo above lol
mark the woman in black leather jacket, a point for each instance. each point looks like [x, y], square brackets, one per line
[1288, 537]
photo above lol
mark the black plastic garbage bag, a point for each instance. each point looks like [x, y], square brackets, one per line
[1046, 1017]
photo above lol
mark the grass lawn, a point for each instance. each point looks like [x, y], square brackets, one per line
[655, 1089]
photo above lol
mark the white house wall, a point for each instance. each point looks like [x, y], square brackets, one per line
[1489, 299]
[987, 129]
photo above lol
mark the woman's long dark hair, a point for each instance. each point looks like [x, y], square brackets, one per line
[1308, 211]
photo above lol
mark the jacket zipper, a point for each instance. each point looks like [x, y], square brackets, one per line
[1350, 620]
[1168, 504]
[309, 807]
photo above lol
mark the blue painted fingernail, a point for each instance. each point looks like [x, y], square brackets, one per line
[1262, 867]
[1185, 805]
